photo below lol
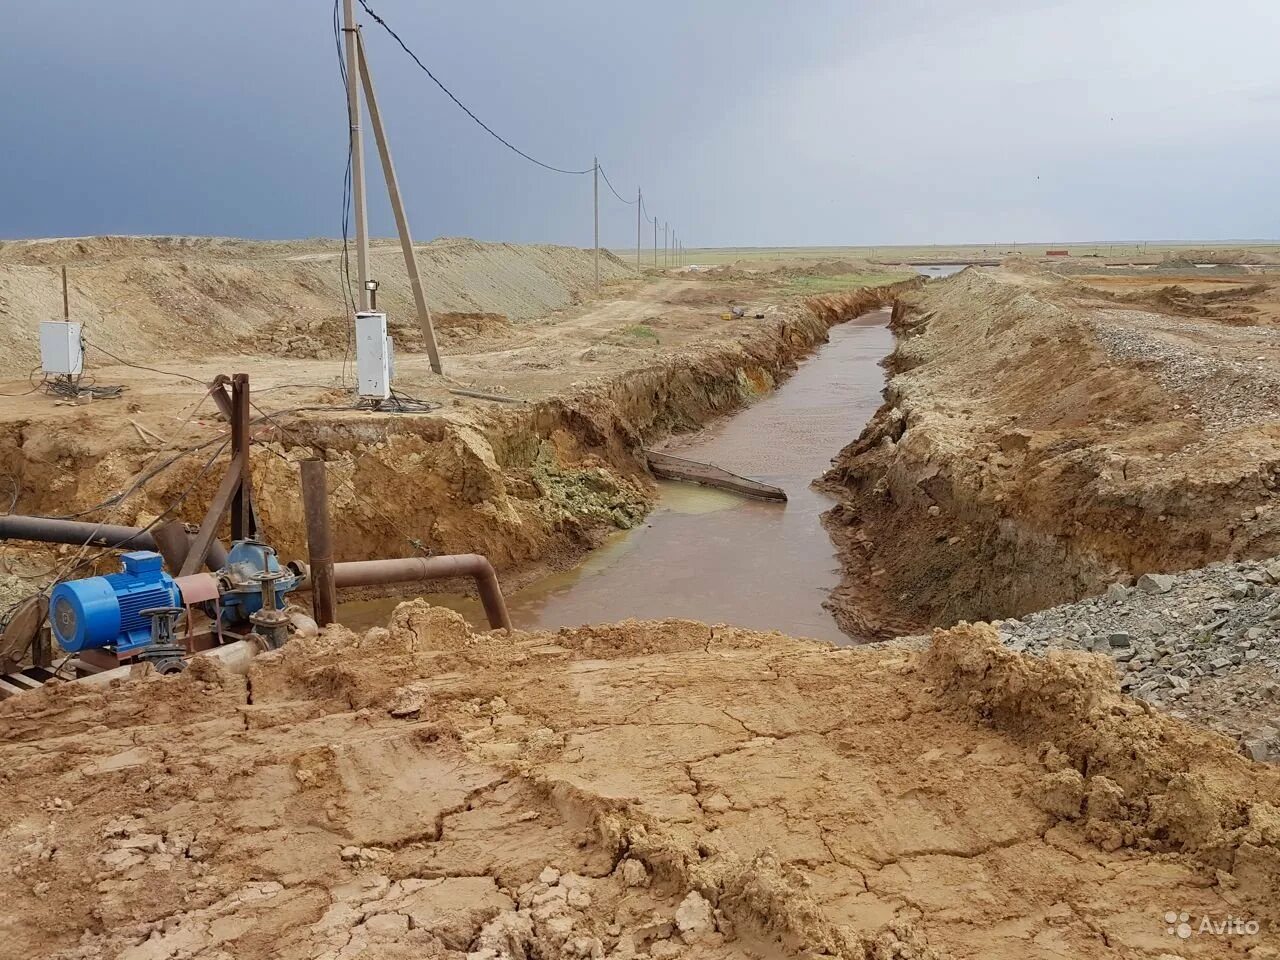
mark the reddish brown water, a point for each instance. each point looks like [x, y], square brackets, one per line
[713, 556]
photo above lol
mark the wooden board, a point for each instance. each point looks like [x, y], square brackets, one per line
[674, 468]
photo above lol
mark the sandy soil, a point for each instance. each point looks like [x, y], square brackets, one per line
[424, 791]
[531, 484]
[1042, 439]
[147, 298]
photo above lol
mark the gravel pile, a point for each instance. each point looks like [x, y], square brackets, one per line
[1203, 643]
[1230, 391]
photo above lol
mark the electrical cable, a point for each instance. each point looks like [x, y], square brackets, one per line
[465, 109]
[610, 186]
[140, 366]
[34, 386]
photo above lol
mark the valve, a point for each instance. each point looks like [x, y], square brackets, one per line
[270, 622]
[164, 653]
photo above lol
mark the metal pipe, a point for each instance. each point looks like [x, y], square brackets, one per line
[81, 533]
[173, 542]
[315, 506]
[366, 573]
[76, 532]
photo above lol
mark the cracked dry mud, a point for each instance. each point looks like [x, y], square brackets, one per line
[648, 788]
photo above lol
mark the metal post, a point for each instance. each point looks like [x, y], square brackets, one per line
[242, 523]
[397, 207]
[357, 151]
[639, 204]
[66, 301]
[595, 197]
[655, 242]
[315, 504]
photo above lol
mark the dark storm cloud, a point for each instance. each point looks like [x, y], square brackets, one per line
[746, 122]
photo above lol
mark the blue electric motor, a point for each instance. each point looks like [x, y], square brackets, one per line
[104, 611]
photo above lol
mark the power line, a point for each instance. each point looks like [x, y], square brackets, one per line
[465, 109]
[610, 186]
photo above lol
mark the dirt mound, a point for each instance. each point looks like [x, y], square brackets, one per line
[1230, 305]
[1226, 256]
[1035, 447]
[148, 297]
[426, 790]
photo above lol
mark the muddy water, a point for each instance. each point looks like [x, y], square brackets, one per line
[713, 556]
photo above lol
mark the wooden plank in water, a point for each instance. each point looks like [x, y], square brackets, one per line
[675, 468]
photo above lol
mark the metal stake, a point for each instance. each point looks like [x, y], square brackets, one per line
[315, 505]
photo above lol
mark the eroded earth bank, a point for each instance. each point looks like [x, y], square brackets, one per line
[1050, 439]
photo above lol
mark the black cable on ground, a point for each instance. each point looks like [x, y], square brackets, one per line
[31, 380]
[141, 366]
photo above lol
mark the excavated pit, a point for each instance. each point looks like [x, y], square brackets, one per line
[1038, 444]
[533, 486]
[712, 555]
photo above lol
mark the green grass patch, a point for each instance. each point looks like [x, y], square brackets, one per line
[813, 286]
[642, 331]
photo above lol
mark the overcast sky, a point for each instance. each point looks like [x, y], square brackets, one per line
[747, 122]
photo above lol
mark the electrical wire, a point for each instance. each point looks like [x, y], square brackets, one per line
[140, 366]
[610, 186]
[30, 379]
[465, 109]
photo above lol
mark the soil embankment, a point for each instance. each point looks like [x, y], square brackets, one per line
[1041, 439]
[147, 298]
[426, 791]
[532, 484]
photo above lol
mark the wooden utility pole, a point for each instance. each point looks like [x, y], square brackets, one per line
[655, 242]
[397, 207]
[357, 151]
[639, 204]
[595, 196]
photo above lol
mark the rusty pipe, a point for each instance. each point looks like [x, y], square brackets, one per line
[367, 573]
[315, 506]
[81, 533]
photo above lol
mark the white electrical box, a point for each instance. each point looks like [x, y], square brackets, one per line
[60, 351]
[373, 356]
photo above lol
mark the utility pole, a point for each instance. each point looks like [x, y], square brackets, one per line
[357, 151]
[397, 207]
[666, 232]
[595, 197]
[639, 204]
[655, 243]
